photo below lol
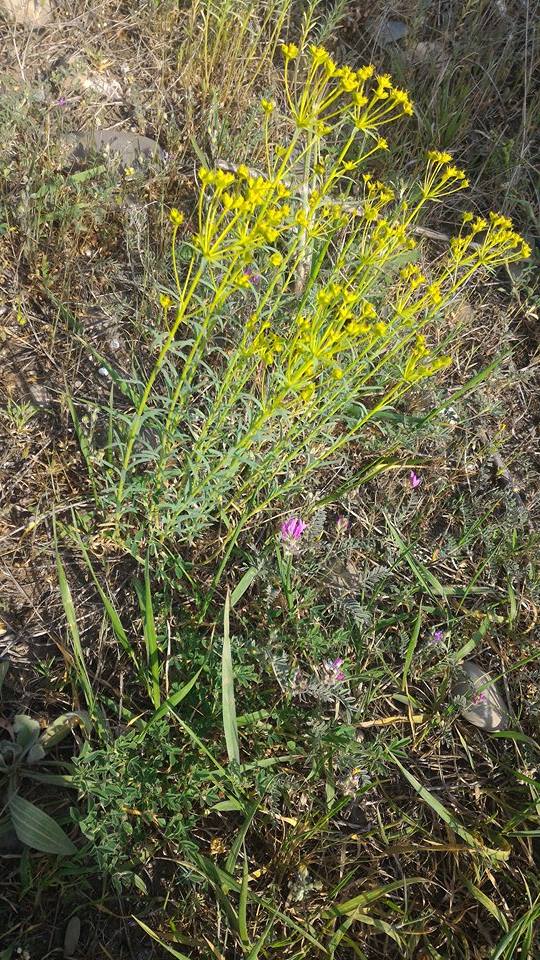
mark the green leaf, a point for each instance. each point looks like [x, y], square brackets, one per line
[37, 829]
[448, 817]
[71, 617]
[411, 647]
[486, 902]
[4, 667]
[244, 585]
[150, 636]
[114, 618]
[27, 731]
[151, 933]
[227, 690]
[59, 728]
[174, 699]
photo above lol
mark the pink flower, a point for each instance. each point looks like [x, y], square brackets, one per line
[334, 667]
[479, 698]
[292, 529]
[414, 480]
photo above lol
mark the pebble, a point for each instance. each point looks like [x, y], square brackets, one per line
[387, 31]
[485, 706]
[130, 149]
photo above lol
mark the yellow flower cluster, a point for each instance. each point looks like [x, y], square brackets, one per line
[488, 243]
[442, 178]
[331, 93]
[245, 213]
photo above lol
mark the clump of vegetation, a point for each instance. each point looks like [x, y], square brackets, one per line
[285, 479]
[236, 415]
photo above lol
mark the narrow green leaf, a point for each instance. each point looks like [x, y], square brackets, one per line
[448, 817]
[71, 617]
[150, 636]
[427, 580]
[242, 905]
[486, 902]
[114, 619]
[37, 829]
[244, 585]
[151, 933]
[411, 647]
[364, 900]
[227, 690]
[4, 667]
[174, 699]
[54, 779]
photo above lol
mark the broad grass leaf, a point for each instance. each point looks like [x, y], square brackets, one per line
[227, 690]
[37, 829]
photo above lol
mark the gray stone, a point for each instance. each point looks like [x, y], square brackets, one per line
[129, 149]
[28, 13]
[388, 31]
[485, 707]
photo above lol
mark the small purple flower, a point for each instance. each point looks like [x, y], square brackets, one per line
[292, 529]
[254, 278]
[61, 102]
[414, 480]
[479, 698]
[334, 667]
[438, 636]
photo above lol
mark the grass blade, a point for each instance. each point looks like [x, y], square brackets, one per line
[244, 585]
[154, 936]
[174, 699]
[71, 618]
[411, 647]
[150, 638]
[448, 817]
[227, 690]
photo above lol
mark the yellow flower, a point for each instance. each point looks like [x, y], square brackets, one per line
[318, 54]
[365, 72]
[437, 157]
[267, 105]
[276, 259]
[176, 217]
[165, 301]
[289, 50]
[434, 293]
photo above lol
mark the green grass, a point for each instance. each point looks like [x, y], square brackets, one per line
[265, 743]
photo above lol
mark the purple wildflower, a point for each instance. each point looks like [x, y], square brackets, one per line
[438, 636]
[479, 698]
[61, 102]
[334, 667]
[414, 480]
[292, 529]
[254, 278]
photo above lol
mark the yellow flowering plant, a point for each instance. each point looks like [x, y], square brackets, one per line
[292, 298]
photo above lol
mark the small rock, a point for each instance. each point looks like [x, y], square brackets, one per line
[430, 53]
[28, 13]
[129, 148]
[485, 706]
[387, 31]
[72, 936]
